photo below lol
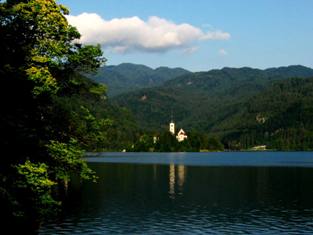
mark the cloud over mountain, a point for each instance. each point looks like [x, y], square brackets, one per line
[134, 34]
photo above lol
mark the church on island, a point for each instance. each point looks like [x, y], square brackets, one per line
[181, 135]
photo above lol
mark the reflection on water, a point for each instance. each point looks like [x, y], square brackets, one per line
[154, 172]
[172, 181]
[158, 199]
[178, 172]
[181, 176]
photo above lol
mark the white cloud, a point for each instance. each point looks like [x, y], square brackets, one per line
[134, 34]
[222, 52]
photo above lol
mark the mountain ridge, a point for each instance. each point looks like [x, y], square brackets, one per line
[127, 77]
[202, 99]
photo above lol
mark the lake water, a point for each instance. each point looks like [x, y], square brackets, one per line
[192, 193]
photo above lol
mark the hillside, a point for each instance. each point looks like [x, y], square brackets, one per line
[279, 117]
[129, 77]
[211, 102]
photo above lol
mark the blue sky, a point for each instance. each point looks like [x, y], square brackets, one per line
[254, 33]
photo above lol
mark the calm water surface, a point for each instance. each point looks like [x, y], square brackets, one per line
[215, 193]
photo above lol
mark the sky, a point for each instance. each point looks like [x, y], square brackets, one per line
[198, 35]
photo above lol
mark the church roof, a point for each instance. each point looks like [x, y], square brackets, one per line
[181, 132]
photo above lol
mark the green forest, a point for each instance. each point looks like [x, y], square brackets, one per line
[241, 108]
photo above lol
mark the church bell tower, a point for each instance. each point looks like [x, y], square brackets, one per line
[172, 128]
[172, 125]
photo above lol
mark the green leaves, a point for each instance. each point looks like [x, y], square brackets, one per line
[86, 58]
[41, 66]
[44, 82]
[34, 177]
[98, 89]
[45, 42]
[34, 185]
[68, 161]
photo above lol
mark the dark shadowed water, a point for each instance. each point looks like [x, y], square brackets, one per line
[215, 193]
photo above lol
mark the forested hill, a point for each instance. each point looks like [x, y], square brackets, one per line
[129, 77]
[205, 101]
[279, 117]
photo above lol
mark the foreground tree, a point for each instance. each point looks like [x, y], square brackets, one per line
[40, 64]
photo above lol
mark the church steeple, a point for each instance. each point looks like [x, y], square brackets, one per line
[172, 124]
[172, 127]
[181, 135]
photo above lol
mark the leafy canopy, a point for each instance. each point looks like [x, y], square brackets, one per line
[38, 34]
[41, 64]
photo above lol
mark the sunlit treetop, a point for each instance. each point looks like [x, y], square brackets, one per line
[38, 41]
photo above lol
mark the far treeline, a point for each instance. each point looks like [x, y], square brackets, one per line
[166, 142]
[243, 109]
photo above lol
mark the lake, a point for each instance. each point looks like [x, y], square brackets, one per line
[192, 193]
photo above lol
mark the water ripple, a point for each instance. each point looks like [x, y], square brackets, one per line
[194, 221]
[135, 199]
